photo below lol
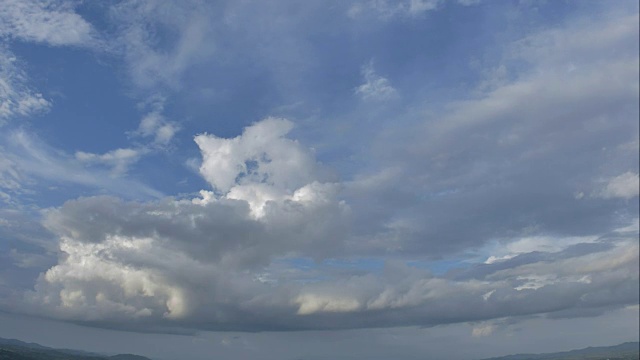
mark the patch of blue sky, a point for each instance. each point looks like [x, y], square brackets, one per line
[90, 116]
[299, 263]
[322, 270]
[441, 267]
[358, 264]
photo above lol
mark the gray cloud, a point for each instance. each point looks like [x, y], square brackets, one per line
[533, 155]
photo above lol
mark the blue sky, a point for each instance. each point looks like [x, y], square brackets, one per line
[286, 174]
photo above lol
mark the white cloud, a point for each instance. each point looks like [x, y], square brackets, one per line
[261, 154]
[310, 303]
[624, 186]
[483, 330]
[386, 9]
[261, 166]
[375, 86]
[155, 125]
[152, 66]
[529, 244]
[29, 159]
[118, 159]
[51, 22]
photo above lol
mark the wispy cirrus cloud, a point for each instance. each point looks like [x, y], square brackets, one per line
[17, 99]
[28, 160]
[53, 23]
[153, 67]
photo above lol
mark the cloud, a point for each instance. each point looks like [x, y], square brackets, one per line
[119, 159]
[11, 181]
[154, 125]
[484, 182]
[200, 263]
[495, 165]
[51, 22]
[16, 98]
[27, 160]
[531, 244]
[375, 86]
[483, 330]
[261, 154]
[388, 9]
[154, 64]
[121, 245]
[622, 186]
[145, 282]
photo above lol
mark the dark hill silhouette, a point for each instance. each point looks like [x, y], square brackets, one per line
[12, 349]
[625, 351]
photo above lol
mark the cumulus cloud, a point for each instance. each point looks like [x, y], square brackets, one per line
[261, 154]
[204, 238]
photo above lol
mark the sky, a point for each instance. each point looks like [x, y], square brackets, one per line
[313, 180]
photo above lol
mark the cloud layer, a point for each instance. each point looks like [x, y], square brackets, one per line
[208, 262]
[516, 197]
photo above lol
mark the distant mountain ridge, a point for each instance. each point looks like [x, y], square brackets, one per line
[12, 349]
[625, 351]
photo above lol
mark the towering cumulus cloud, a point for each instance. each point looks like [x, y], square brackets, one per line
[181, 259]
